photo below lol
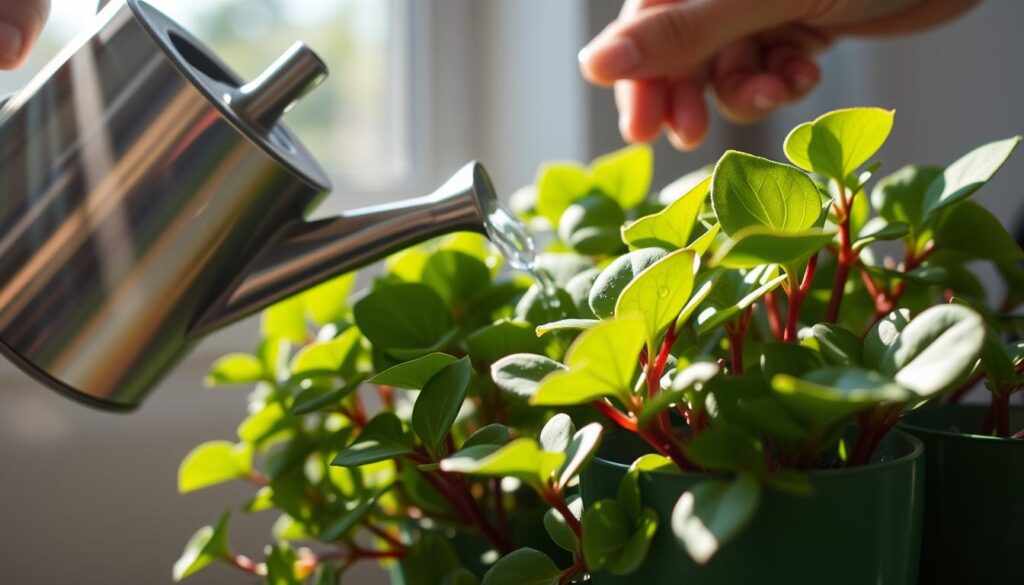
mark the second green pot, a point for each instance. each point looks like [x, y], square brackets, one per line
[974, 497]
[862, 525]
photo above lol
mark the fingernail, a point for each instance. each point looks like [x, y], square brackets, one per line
[10, 41]
[614, 57]
[763, 102]
[679, 140]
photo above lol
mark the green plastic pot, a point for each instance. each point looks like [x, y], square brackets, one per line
[861, 526]
[974, 497]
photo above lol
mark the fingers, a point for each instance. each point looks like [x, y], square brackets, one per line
[667, 40]
[21, 21]
[641, 107]
[687, 120]
[752, 80]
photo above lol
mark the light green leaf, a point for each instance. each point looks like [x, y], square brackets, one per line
[625, 175]
[671, 227]
[235, 368]
[838, 143]
[971, 232]
[408, 264]
[522, 459]
[327, 302]
[212, 463]
[413, 375]
[456, 276]
[936, 349]
[281, 565]
[750, 191]
[286, 320]
[557, 527]
[882, 336]
[591, 225]
[520, 374]
[968, 174]
[613, 279]
[601, 362]
[580, 451]
[524, 566]
[209, 544]
[702, 244]
[659, 293]
[877, 229]
[336, 356]
[713, 513]
[402, 316]
[899, 197]
[824, 398]
[492, 434]
[755, 246]
[557, 433]
[439, 403]
[558, 185]
[564, 324]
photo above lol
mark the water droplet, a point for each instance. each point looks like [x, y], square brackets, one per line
[515, 242]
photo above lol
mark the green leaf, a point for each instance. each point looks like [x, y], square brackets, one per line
[382, 439]
[408, 264]
[429, 559]
[327, 302]
[459, 576]
[558, 185]
[557, 433]
[671, 227]
[838, 143]
[606, 530]
[209, 544]
[968, 174]
[755, 246]
[524, 566]
[403, 316]
[492, 434]
[580, 451]
[733, 293]
[634, 552]
[522, 459]
[286, 320]
[336, 356]
[839, 346]
[564, 324]
[625, 175]
[439, 403]
[613, 279]
[878, 229]
[519, 374]
[235, 368]
[262, 425]
[456, 276]
[578, 288]
[658, 294]
[413, 375]
[971, 232]
[936, 349]
[601, 362]
[315, 397]
[824, 398]
[591, 225]
[212, 463]
[787, 358]
[342, 525]
[703, 243]
[726, 448]
[489, 344]
[713, 513]
[750, 191]
[882, 336]
[326, 574]
[281, 565]
[899, 197]
[557, 527]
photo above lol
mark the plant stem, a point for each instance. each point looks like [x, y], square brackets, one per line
[557, 501]
[386, 536]
[846, 256]
[247, 565]
[797, 292]
[771, 305]
[615, 415]
[578, 566]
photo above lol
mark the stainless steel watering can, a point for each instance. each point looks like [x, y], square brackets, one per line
[149, 197]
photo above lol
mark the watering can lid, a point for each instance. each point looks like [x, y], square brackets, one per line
[253, 108]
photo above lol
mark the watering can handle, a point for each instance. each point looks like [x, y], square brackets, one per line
[304, 253]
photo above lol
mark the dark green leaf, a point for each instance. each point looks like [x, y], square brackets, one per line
[340, 526]
[899, 197]
[519, 374]
[882, 336]
[383, 438]
[613, 279]
[439, 403]
[558, 529]
[581, 449]
[557, 433]
[839, 346]
[413, 375]
[492, 434]
[713, 513]
[403, 316]
[456, 276]
[968, 174]
[494, 342]
[524, 566]
[591, 225]
[969, 232]
[726, 448]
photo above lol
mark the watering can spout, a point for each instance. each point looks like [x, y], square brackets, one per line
[303, 253]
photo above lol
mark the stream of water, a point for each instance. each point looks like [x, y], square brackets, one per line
[516, 243]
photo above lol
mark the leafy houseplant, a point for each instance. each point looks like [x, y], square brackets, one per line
[739, 346]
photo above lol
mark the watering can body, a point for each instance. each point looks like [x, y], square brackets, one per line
[150, 197]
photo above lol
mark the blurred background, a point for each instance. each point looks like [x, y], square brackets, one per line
[417, 88]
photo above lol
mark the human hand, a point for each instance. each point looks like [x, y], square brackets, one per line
[754, 55]
[21, 21]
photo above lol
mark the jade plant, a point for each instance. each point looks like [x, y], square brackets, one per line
[749, 322]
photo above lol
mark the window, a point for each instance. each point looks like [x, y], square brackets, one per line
[357, 123]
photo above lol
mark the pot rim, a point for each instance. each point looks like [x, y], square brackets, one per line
[968, 437]
[916, 452]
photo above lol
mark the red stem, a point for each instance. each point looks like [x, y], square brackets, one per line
[385, 536]
[557, 501]
[797, 293]
[846, 256]
[246, 564]
[615, 415]
[771, 305]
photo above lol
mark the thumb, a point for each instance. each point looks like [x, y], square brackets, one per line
[667, 40]
[21, 21]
